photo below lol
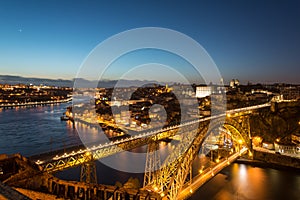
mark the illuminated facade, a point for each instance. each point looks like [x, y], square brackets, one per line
[203, 91]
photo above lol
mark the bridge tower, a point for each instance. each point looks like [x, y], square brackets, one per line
[153, 163]
[88, 170]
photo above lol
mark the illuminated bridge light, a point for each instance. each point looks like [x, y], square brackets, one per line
[56, 157]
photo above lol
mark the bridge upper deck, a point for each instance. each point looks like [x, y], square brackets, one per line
[76, 155]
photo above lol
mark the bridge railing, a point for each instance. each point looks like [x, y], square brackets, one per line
[103, 150]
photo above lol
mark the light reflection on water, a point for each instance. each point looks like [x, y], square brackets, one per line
[245, 182]
[34, 130]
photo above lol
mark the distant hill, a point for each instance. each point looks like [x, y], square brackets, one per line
[13, 80]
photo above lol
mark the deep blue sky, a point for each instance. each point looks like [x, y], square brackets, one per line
[257, 41]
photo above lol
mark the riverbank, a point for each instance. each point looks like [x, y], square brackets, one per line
[267, 160]
[260, 164]
[31, 104]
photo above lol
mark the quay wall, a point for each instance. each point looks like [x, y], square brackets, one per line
[276, 160]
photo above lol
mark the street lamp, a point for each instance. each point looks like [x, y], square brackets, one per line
[201, 170]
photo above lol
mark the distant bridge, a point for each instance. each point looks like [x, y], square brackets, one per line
[36, 103]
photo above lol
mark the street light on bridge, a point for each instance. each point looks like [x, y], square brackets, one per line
[201, 170]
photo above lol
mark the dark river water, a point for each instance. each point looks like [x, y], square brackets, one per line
[31, 131]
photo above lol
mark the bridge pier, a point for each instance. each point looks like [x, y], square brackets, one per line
[88, 170]
[153, 163]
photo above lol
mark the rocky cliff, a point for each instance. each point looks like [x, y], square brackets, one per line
[277, 122]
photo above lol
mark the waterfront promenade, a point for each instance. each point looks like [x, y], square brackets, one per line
[30, 104]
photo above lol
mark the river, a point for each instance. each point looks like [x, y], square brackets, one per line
[39, 129]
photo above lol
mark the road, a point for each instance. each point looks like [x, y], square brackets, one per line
[207, 174]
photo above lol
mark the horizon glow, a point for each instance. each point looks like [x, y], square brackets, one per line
[251, 41]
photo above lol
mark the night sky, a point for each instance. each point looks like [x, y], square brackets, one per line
[256, 41]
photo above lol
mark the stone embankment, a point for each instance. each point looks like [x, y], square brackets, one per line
[276, 161]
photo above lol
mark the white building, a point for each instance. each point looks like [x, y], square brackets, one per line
[203, 91]
[234, 82]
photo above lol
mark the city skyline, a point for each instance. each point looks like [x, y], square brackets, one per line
[252, 41]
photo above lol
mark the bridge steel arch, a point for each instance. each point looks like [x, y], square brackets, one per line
[239, 127]
[174, 172]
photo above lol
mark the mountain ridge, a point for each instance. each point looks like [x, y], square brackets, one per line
[79, 82]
